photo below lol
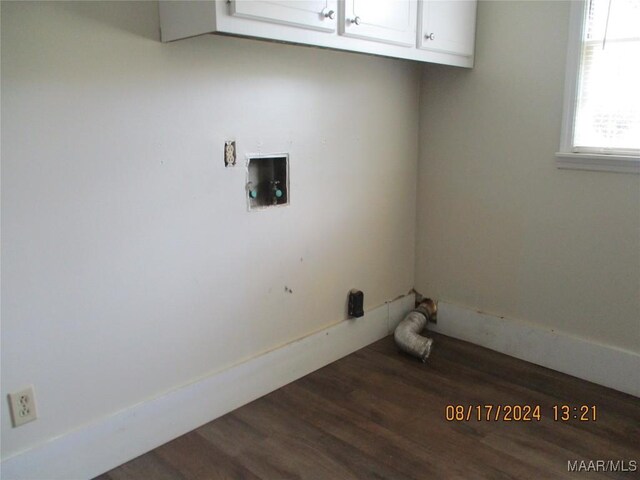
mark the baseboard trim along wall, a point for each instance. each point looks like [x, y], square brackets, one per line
[597, 363]
[109, 442]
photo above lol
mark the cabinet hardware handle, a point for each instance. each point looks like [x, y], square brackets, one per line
[329, 14]
[429, 36]
[355, 21]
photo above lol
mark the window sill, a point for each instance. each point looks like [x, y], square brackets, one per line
[600, 163]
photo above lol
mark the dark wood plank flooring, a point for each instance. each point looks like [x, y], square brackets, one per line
[379, 414]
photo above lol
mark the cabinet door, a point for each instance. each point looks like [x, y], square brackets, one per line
[312, 14]
[389, 21]
[447, 26]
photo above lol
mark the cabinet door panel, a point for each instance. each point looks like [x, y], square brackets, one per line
[388, 21]
[311, 14]
[447, 26]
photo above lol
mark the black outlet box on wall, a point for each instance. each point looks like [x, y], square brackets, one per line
[356, 303]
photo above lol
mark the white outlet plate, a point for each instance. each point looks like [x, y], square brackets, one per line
[23, 406]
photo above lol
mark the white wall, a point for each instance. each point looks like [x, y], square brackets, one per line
[130, 265]
[500, 228]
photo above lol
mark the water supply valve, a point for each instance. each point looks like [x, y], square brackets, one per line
[276, 191]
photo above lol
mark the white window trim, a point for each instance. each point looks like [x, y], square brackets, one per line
[565, 158]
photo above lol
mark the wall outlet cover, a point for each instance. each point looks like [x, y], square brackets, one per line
[23, 406]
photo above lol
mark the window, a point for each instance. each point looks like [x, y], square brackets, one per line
[601, 124]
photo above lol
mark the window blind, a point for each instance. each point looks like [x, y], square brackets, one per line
[608, 103]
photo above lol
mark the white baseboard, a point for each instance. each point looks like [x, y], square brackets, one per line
[602, 364]
[107, 443]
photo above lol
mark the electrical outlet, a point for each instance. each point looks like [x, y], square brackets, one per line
[229, 153]
[23, 406]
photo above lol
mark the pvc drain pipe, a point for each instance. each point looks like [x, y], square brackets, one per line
[407, 333]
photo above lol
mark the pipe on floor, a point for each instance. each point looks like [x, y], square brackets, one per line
[407, 333]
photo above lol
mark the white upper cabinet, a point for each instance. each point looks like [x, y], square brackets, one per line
[388, 21]
[447, 26]
[437, 31]
[319, 15]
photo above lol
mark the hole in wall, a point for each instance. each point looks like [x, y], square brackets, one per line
[267, 181]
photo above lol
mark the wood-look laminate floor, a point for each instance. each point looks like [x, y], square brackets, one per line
[380, 414]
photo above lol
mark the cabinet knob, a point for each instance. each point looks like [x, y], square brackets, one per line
[331, 14]
[355, 21]
[429, 36]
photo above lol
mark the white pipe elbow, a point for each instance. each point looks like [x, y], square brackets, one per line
[407, 334]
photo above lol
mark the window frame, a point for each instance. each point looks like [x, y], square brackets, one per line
[566, 157]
